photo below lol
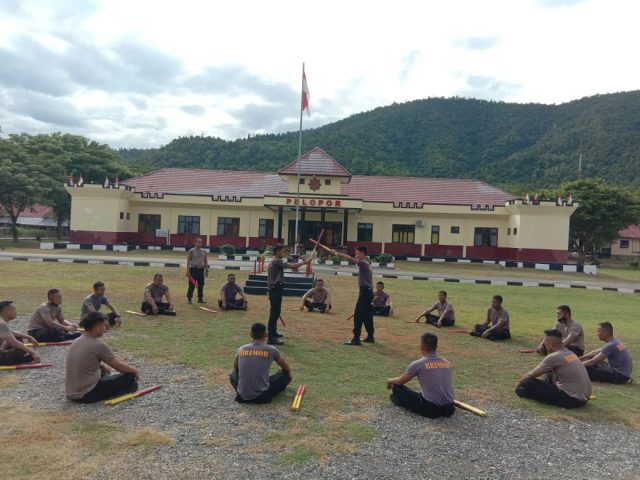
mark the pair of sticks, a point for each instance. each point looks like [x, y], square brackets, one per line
[297, 400]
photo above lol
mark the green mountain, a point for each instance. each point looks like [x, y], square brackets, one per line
[508, 144]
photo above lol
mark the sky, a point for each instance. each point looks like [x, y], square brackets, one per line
[140, 73]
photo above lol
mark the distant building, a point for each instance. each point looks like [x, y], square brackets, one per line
[398, 215]
[628, 242]
[38, 216]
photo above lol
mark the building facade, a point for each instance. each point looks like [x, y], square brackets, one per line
[402, 216]
[628, 242]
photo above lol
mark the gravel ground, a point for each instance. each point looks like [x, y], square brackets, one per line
[218, 438]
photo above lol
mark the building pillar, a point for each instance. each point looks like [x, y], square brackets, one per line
[345, 227]
[322, 217]
[280, 224]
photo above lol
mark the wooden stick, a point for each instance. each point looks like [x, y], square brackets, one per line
[284, 324]
[320, 245]
[468, 407]
[137, 314]
[349, 317]
[298, 400]
[50, 344]
[139, 393]
[456, 330]
[208, 309]
[25, 366]
[295, 399]
[527, 350]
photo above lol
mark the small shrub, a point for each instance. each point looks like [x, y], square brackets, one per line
[228, 250]
[634, 265]
[384, 258]
[336, 259]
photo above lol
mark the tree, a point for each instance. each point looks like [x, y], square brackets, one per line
[20, 177]
[603, 211]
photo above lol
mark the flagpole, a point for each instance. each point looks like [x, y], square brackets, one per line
[295, 247]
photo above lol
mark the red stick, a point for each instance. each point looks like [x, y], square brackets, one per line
[457, 330]
[284, 324]
[144, 391]
[25, 366]
[193, 281]
[255, 263]
[350, 317]
[527, 350]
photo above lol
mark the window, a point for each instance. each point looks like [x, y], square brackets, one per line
[455, 230]
[435, 234]
[301, 181]
[365, 232]
[403, 233]
[485, 237]
[508, 230]
[327, 181]
[228, 227]
[188, 224]
[624, 243]
[265, 228]
[148, 223]
[121, 215]
[128, 216]
[515, 231]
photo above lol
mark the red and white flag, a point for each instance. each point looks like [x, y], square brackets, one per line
[80, 181]
[305, 93]
[116, 183]
[106, 182]
[71, 181]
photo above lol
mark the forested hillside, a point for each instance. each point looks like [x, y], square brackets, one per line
[504, 143]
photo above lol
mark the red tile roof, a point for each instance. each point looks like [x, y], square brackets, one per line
[632, 231]
[37, 211]
[415, 190]
[316, 162]
[403, 191]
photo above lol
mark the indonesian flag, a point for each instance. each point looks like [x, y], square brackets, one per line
[305, 93]
[116, 183]
[71, 181]
[106, 182]
[80, 181]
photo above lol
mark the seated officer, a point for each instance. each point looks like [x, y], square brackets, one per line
[154, 293]
[317, 299]
[93, 302]
[612, 363]
[572, 333]
[434, 375]
[566, 384]
[12, 350]
[496, 326]
[250, 376]
[229, 293]
[47, 323]
[381, 303]
[87, 379]
[446, 316]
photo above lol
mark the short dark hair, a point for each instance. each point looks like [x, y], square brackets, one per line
[430, 341]
[98, 285]
[156, 275]
[553, 333]
[607, 326]
[320, 280]
[497, 297]
[277, 246]
[380, 283]
[230, 275]
[258, 331]
[93, 319]
[5, 304]
[565, 308]
[445, 293]
[52, 292]
[361, 249]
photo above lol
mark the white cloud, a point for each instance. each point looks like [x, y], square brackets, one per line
[142, 73]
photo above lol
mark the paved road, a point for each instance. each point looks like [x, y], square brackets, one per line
[581, 280]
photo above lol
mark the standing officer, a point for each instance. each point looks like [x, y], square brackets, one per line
[275, 282]
[197, 269]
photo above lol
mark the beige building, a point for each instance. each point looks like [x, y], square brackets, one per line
[628, 242]
[403, 216]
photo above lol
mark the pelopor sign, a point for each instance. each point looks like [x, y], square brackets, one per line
[315, 202]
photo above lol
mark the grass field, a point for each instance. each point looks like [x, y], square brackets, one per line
[341, 379]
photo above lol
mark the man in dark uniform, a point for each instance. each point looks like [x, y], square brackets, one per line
[197, 269]
[275, 282]
[363, 313]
